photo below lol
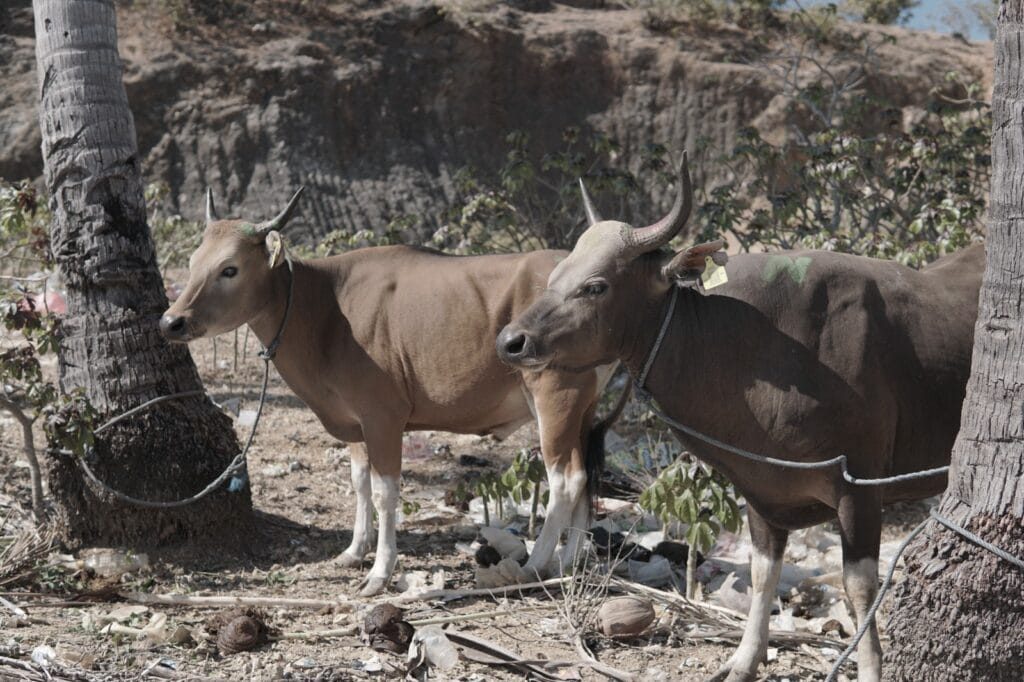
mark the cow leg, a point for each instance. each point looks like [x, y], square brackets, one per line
[765, 567]
[563, 404]
[578, 526]
[362, 530]
[860, 522]
[384, 446]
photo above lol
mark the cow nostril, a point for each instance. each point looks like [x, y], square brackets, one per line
[516, 345]
[172, 326]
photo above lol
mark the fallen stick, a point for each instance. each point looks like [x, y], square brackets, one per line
[13, 608]
[346, 631]
[597, 666]
[480, 650]
[677, 599]
[477, 591]
[774, 637]
[212, 601]
[478, 615]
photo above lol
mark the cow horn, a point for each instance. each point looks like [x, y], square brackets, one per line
[277, 223]
[644, 239]
[211, 210]
[593, 216]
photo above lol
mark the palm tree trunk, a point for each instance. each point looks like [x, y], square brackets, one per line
[960, 613]
[110, 347]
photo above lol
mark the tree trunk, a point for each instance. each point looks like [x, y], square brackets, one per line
[959, 614]
[110, 347]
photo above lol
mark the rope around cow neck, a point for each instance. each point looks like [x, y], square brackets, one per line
[647, 399]
[237, 463]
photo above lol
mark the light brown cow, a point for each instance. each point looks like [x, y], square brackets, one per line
[801, 356]
[379, 341]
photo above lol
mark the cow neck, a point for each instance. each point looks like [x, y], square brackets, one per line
[276, 317]
[652, 354]
[642, 332]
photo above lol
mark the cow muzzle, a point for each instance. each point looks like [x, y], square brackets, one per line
[175, 328]
[516, 347]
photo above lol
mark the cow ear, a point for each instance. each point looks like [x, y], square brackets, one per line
[688, 265]
[275, 248]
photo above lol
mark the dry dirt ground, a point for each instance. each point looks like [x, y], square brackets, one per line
[300, 485]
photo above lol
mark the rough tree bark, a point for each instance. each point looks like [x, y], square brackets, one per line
[959, 614]
[111, 347]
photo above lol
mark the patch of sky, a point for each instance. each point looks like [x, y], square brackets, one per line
[941, 16]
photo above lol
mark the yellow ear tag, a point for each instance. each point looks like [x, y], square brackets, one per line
[275, 244]
[714, 274]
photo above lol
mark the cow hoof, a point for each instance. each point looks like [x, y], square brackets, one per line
[346, 560]
[373, 586]
[729, 674]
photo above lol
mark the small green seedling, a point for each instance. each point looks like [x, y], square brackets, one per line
[699, 497]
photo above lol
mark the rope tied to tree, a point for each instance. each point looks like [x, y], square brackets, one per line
[237, 463]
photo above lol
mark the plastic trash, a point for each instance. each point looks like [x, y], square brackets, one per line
[653, 573]
[432, 646]
[507, 544]
[108, 563]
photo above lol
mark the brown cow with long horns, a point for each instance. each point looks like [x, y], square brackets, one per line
[801, 356]
[383, 340]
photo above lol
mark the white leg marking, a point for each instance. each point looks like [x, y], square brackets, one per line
[860, 578]
[764, 578]
[577, 527]
[362, 529]
[385, 500]
[563, 493]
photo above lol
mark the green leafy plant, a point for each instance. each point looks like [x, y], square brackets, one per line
[33, 331]
[534, 201]
[851, 177]
[175, 237]
[698, 497]
[489, 489]
[398, 231]
[522, 481]
[879, 11]
[519, 482]
[409, 507]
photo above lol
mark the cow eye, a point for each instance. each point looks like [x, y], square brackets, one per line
[229, 271]
[594, 288]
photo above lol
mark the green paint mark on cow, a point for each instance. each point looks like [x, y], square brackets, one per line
[795, 268]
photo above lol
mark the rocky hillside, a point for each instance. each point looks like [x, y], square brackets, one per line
[375, 105]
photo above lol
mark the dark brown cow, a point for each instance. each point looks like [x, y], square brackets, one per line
[384, 340]
[801, 356]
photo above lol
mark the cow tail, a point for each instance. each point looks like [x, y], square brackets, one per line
[594, 460]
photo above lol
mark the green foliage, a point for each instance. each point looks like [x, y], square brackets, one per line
[697, 496]
[68, 421]
[534, 202]
[663, 14]
[67, 418]
[518, 482]
[56, 579]
[853, 179]
[23, 233]
[409, 507]
[174, 237]
[879, 11]
[398, 231]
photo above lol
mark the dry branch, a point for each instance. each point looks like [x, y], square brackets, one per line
[19, 557]
[221, 601]
[477, 592]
